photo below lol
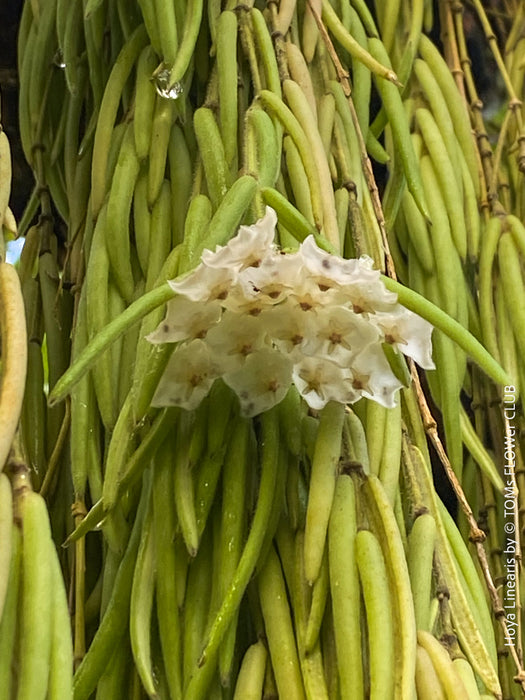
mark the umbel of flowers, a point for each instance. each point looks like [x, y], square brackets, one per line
[263, 319]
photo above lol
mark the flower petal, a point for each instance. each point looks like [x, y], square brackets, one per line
[185, 319]
[235, 338]
[339, 335]
[320, 380]
[188, 377]
[408, 333]
[373, 377]
[248, 247]
[288, 326]
[262, 382]
[205, 283]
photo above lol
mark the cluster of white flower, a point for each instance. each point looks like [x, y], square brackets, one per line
[262, 319]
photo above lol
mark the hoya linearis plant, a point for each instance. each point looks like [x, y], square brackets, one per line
[222, 309]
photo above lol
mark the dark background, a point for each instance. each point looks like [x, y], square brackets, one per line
[10, 11]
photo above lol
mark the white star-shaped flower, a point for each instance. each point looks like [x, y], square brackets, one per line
[248, 247]
[367, 296]
[288, 326]
[275, 277]
[327, 269]
[244, 299]
[307, 295]
[373, 378]
[188, 377]
[262, 382]
[320, 380]
[408, 333]
[339, 334]
[185, 319]
[205, 283]
[234, 338]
